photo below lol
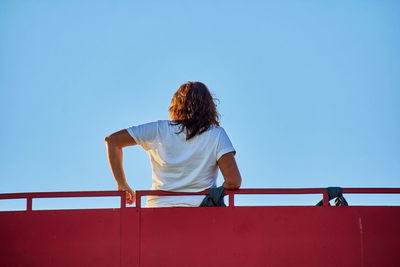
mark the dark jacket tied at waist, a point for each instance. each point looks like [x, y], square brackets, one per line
[215, 198]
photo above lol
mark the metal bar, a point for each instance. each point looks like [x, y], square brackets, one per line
[62, 194]
[167, 193]
[28, 204]
[123, 200]
[240, 191]
[325, 199]
[231, 193]
[231, 199]
[280, 191]
[139, 199]
[371, 190]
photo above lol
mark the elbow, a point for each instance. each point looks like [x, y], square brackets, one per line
[109, 141]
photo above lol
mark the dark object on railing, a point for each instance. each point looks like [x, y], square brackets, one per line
[335, 192]
[215, 198]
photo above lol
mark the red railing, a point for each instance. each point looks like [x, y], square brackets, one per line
[230, 193]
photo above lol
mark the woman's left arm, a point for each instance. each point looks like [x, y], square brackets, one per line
[115, 142]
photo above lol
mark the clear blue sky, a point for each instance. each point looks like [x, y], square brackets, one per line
[309, 90]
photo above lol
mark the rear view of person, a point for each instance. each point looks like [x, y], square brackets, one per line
[185, 152]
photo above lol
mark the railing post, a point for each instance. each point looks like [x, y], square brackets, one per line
[231, 199]
[29, 204]
[123, 199]
[138, 199]
[325, 198]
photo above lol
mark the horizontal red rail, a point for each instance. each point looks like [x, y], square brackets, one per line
[371, 190]
[62, 194]
[253, 191]
[230, 193]
[30, 196]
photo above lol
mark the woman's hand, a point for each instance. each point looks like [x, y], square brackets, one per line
[130, 194]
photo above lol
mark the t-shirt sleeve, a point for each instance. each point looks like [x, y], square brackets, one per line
[224, 144]
[144, 134]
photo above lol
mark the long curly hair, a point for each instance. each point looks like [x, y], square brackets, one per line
[193, 107]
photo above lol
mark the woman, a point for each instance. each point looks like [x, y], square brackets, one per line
[185, 152]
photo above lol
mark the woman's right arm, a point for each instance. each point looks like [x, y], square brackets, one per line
[230, 171]
[115, 142]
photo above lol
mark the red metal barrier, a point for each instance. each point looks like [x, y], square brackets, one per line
[232, 236]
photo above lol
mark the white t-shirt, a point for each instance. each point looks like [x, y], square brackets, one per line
[179, 165]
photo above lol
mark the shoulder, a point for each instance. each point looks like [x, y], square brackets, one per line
[149, 129]
[219, 133]
[164, 124]
[154, 124]
[216, 130]
[167, 128]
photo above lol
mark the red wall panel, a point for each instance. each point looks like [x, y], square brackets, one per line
[64, 238]
[250, 236]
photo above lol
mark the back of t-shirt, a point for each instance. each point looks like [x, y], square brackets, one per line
[178, 164]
